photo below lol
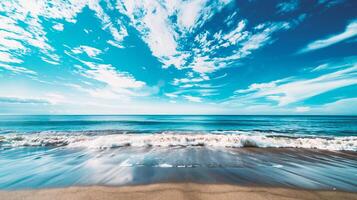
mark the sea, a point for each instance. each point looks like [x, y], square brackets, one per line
[49, 151]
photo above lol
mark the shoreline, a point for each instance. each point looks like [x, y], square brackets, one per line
[175, 191]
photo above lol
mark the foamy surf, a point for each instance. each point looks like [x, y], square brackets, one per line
[164, 165]
[170, 139]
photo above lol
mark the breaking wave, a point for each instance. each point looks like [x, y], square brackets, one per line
[227, 139]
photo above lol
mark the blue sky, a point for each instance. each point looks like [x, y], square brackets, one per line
[178, 57]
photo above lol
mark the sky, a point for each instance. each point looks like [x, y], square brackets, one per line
[178, 57]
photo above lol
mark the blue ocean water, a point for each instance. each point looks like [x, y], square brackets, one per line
[310, 125]
[316, 152]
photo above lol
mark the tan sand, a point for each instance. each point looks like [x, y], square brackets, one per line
[175, 191]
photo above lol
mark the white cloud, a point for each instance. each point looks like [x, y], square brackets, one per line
[17, 100]
[303, 109]
[8, 58]
[52, 62]
[190, 12]
[14, 37]
[343, 106]
[203, 65]
[239, 41]
[114, 84]
[288, 6]
[190, 80]
[9, 40]
[350, 31]
[236, 34]
[58, 27]
[171, 95]
[320, 67]
[192, 98]
[230, 18]
[337, 64]
[330, 3]
[55, 98]
[166, 25]
[16, 69]
[19, 41]
[90, 51]
[193, 14]
[153, 19]
[262, 38]
[108, 74]
[115, 44]
[287, 91]
[258, 86]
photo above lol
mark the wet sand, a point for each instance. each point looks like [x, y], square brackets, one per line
[175, 191]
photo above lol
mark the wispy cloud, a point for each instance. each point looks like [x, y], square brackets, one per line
[193, 99]
[289, 6]
[152, 20]
[6, 57]
[189, 13]
[58, 27]
[190, 80]
[90, 51]
[171, 95]
[19, 41]
[342, 106]
[330, 3]
[115, 84]
[237, 44]
[16, 69]
[166, 38]
[295, 89]
[108, 74]
[195, 86]
[56, 98]
[259, 86]
[16, 100]
[320, 67]
[350, 31]
[302, 109]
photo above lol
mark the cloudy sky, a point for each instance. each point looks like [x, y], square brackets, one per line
[178, 57]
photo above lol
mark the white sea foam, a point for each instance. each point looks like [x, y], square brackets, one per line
[164, 165]
[126, 163]
[278, 166]
[236, 140]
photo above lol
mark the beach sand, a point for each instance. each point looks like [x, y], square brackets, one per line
[175, 191]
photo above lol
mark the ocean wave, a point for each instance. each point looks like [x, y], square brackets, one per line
[230, 139]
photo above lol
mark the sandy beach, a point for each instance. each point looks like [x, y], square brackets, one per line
[175, 191]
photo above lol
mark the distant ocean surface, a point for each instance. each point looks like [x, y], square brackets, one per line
[315, 152]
